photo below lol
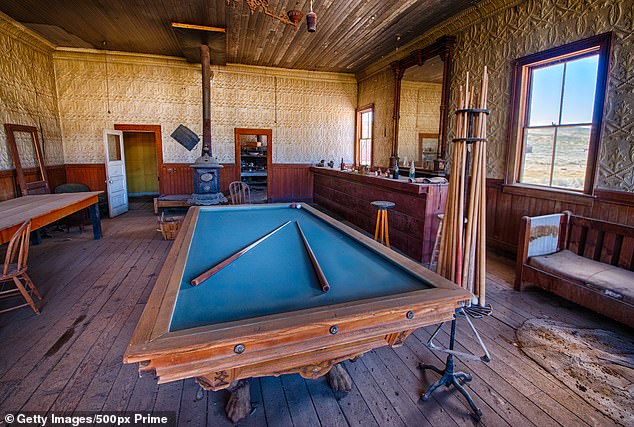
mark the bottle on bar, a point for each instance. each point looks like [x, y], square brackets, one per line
[412, 171]
[395, 170]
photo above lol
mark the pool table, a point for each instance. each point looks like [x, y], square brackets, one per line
[265, 313]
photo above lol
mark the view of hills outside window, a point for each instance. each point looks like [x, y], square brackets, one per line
[556, 136]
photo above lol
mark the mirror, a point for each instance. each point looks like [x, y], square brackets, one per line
[419, 124]
[421, 95]
[28, 159]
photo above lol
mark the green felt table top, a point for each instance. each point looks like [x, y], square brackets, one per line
[277, 276]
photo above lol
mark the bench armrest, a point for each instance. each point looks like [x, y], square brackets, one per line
[539, 235]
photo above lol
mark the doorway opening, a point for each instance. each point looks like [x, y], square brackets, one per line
[143, 153]
[253, 156]
[141, 166]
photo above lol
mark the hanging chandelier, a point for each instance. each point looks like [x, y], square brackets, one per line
[293, 17]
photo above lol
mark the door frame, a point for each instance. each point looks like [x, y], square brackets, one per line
[269, 154]
[158, 143]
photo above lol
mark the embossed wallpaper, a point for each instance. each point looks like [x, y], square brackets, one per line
[502, 30]
[27, 91]
[311, 114]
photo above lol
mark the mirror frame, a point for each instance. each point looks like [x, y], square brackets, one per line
[34, 187]
[443, 47]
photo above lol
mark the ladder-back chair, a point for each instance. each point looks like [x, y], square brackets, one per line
[240, 193]
[14, 270]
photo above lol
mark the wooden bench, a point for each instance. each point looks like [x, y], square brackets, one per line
[584, 260]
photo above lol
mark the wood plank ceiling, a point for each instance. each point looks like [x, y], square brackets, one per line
[351, 34]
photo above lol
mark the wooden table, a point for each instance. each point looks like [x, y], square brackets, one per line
[45, 209]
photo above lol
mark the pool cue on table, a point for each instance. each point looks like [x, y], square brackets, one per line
[216, 268]
[320, 274]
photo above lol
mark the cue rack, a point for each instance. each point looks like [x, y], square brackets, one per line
[462, 254]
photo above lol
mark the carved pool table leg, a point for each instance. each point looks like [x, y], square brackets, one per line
[339, 379]
[239, 404]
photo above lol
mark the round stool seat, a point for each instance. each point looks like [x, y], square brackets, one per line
[382, 204]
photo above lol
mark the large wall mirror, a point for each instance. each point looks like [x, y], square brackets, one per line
[420, 112]
[28, 159]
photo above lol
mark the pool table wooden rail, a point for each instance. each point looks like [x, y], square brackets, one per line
[299, 341]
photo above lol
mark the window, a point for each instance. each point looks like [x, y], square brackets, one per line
[365, 125]
[558, 107]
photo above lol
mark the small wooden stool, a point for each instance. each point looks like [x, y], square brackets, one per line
[381, 231]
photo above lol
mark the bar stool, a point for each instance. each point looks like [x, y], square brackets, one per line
[381, 231]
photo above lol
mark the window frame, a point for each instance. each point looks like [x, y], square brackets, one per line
[357, 139]
[520, 105]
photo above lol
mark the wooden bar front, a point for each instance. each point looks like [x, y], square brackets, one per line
[413, 222]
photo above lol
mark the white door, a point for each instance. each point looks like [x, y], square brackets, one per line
[115, 172]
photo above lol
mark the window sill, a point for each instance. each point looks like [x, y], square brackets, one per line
[555, 194]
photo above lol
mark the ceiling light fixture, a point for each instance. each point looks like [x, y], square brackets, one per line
[292, 17]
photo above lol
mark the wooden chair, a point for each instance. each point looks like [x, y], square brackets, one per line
[240, 193]
[14, 270]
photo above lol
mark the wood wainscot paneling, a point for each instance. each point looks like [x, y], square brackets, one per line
[10, 190]
[291, 182]
[92, 175]
[413, 222]
[507, 204]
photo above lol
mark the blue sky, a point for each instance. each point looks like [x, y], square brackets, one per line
[579, 90]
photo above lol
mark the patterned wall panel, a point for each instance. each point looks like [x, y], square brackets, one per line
[27, 90]
[311, 114]
[505, 30]
[419, 113]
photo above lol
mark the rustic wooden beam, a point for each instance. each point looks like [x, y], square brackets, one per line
[199, 27]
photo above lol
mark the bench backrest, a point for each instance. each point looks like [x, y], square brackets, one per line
[599, 240]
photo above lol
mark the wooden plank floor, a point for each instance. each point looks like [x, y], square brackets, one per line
[69, 357]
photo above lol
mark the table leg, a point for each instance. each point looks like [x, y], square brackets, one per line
[36, 237]
[339, 379]
[96, 221]
[238, 406]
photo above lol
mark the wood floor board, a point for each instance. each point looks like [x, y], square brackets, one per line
[168, 399]
[490, 386]
[356, 410]
[104, 312]
[127, 302]
[70, 357]
[299, 402]
[435, 413]
[82, 277]
[325, 402]
[374, 396]
[193, 409]
[275, 407]
[54, 345]
[408, 410]
[414, 352]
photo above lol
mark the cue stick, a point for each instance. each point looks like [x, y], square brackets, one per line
[216, 268]
[318, 271]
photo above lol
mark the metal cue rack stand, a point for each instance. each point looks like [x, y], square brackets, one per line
[449, 376]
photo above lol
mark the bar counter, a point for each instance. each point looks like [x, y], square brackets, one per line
[413, 222]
